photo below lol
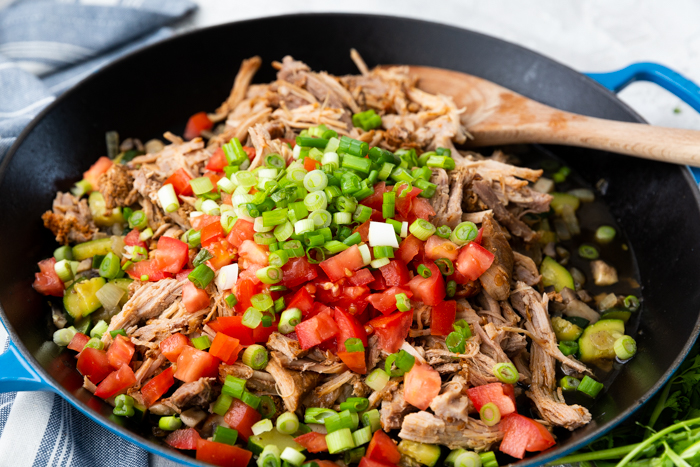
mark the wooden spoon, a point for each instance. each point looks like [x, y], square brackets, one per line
[496, 115]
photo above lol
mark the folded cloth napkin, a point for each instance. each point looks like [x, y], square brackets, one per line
[45, 48]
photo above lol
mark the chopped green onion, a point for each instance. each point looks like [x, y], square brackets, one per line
[287, 423]
[362, 436]
[316, 200]
[455, 342]
[263, 426]
[210, 208]
[490, 414]
[201, 342]
[451, 289]
[362, 213]
[234, 152]
[278, 258]
[65, 272]
[289, 319]
[262, 301]
[138, 220]
[568, 347]
[353, 239]
[231, 300]
[269, 457]
[367, 120]
[279, 304]
[604, 234]
[318, 255]
[252, 318]
[397, 364]
[94, 343]
[255, 357]
[316, 180]
[62, 337]
[353, 147]
[424, 271]
[310, 142]
[357, 163]
[402, 302]
[339, 441]
[631, 303]
[321, 218]
[293, 457]
[355, 455]
[117, 332]
[202, 257]
[488, 459]
[422, 229]
[345, 204]
[222, 404]
[625, 347]
[283, 231]
[401, 175]
[383, 252]
[340, 420]
[462, 327]
[225, 435]
[201, 276]
[377, 379]
[569, 383]
[274, 161]
[250, 399]
[245, 180]
[445, 265]
[193, 238]
[428, 188]
[124, 406]
[269, 274]
[355, 404]
[234, 387]
[464, 233]
[82, 187]
[380, 263]
[444, 231]
[335, 246]
[169, 423]
[385, 171]
[303, 226]
[366, 256]
[468, 458]
[442, 162]
[267, 408]
[371, 417]
[201, 185]
[273, 218]
[506, 373]
[354, 344]
[318, 414]
[342, 218]
[589, 386]
[588, 252]
[63, 252]
[146, 234]
[297, 211]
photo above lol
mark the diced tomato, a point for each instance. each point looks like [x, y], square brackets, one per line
[378, 283]
[361, 277]
[92, 174]
[252, 253]
[212, 233]
[367, 462]
[523, 434]
[349, 260]
[437, 247]
[132, 239]
[226, 348]
[473, 260]
[116, 382]
[47, 281]
[316, 330]
[148, 268]
[298, 271]
[316, 309]
[223, 455]
[386, 301]
[501, 394]
[348, 327]
[261, 334]
[171, 347]
[376, 200]
[223, 254]
[310, 164]
[185, 438]
[120, 352]
[78, 342]
[313, 442]
[171, 254]
[196, 124]
[94, 364]
[353, 299]
[430, 290]
[250, 274]
[421, 209]
[383, 449]
[479, 236]
[241, 417]
[250, 151]
[193, 364]
[217, 161]
[193, 298]
[233, 326]
[442, 318]
[214, 177]
[395, 273]
[404, 205]
[302, 300]
[226, 198]
[180, 180]
[199, 222]
[392, 330]
[409, 248]
[244, 290]
[421, 385]
[354, 360]
[157, 386]
[459, 278]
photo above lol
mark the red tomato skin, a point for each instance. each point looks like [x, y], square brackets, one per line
[223, 254]
[354, 360]
[94, 364]
[313, 442]
[172, 346]
[193, 364]
[116, 382]
[405, 204]
[171, 254]
[437, 247]
[147, 268]
[225, 348]
[421, 209]
[196, 123]
[378, 283]
[242, 230]
[132, 239]
[382, 449]
[443, 317]
[316, 309]
[363, 230]
[180, 180]
[361, 277]
[501, 394]
[199, 222]
[185, 438]
[348, 327]
[523, 434]
[193, 298]
[244, 290]
[395, 273]
[316, 330]
[421, 385]
[297, 272]
[473, 260]
[157, 386]
[392, 330]
[261, 334]
[335, 267]
[233, 326]
[120, 352]
[251, 253]
[47, 281]
[409, 248]
[375, 200]
[242, 417]
[386, 301]
[212, 233]
[100, 166]
[367, 462]
[223, 455]
[78, 342]
[302, 300]
[217, 161]
[430, 290]
[309, 164]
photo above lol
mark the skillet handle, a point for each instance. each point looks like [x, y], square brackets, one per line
[17, 375]
[668, 79]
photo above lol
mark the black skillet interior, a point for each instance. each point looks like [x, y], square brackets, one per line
[157, 89]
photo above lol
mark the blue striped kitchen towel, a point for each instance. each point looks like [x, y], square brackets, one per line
[46, 47]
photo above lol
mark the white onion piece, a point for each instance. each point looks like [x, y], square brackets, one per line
[227, 277]
[366, 256]
[382, 234]
[404, 229]
[109, 296]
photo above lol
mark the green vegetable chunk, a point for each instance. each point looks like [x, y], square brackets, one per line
[426, 454]
[89, 249]
[257, 443]
[81, 298]
[565, 330]
[598, 340]
[555, 274]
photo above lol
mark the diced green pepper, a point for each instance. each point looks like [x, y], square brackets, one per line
[555, 274]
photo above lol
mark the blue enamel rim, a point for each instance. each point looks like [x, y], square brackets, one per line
[18, 374]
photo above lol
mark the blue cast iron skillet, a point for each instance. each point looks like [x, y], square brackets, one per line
[158, 88]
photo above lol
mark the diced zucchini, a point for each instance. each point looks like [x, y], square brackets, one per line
[426, 454]
[555, 274]
[578, 321]
[89, 249]
[559, 200]
[614, 313]
[82, 324]
[598, 340]
[81, 298]
[100, 215]
[123, 284]
[565, 330]
[257, 443]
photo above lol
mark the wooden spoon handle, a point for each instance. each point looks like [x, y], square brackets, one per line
[635, 139]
